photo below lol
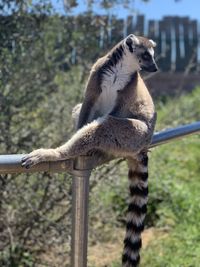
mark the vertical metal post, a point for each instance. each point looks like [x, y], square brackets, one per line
[80, 198]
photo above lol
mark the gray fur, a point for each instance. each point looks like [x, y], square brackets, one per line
[128, 128]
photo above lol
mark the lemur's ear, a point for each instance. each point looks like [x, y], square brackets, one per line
[132, 38]
[131, 41]
[153, 43]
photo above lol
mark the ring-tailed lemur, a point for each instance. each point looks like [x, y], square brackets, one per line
[117, 117]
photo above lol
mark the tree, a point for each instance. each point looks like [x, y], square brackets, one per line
[105, 4]
[34, 87]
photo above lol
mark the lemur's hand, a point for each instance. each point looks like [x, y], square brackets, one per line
[38, 156]
[33, 158]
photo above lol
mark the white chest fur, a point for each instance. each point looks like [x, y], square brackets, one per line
[111, 84]
[115, 80]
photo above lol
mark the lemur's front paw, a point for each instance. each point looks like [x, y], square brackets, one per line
[33, 158]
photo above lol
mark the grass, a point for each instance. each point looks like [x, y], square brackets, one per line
[175, 202]
[174, 199]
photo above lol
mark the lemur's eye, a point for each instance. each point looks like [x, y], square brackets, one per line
[146, 56]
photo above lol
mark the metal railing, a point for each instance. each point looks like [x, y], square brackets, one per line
[81, 169]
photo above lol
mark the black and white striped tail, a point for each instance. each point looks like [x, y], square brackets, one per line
[137, 208]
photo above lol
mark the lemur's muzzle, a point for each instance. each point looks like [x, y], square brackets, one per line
[151, 68]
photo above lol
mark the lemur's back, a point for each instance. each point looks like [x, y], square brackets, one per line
[125, 96]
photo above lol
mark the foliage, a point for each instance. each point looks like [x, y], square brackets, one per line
[175, 193]
[186, 111]
[33, 113]
[105, 4]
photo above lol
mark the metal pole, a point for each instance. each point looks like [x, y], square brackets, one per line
[165, 136]
[12, 163]
[80, 200]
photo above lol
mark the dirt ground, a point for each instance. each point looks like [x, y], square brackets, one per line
[102, 255]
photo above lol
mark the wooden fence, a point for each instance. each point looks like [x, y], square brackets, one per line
[178, 38]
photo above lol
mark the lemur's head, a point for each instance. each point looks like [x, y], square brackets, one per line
[143, 51]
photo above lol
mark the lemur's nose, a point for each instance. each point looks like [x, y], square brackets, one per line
[153, 67]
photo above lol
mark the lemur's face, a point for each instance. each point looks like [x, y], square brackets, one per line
[143, 51]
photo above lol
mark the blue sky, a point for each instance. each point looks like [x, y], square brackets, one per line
[153, 10]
